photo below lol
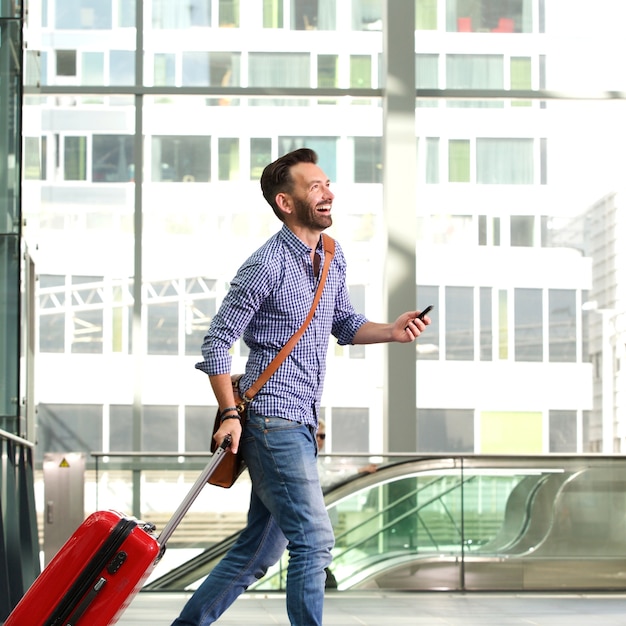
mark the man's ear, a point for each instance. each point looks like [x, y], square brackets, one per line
[284, 203]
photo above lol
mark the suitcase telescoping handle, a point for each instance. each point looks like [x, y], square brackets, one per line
[193, 493]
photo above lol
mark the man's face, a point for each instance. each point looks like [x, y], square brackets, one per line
[312, 197]
[321, 437]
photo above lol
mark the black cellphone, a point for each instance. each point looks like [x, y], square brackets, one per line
[426, 311]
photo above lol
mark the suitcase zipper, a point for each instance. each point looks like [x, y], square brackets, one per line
[84, 587]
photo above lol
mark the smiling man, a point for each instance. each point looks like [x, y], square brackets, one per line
[268, 300]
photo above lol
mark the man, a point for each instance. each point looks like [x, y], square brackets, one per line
[268, 300]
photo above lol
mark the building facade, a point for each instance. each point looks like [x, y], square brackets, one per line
[143, 146]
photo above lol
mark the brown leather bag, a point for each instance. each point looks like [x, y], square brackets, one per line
[232, 465]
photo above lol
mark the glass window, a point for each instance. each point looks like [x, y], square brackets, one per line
[198, 315]
[164, 69]
[562, 325]
[260, 156]
[113, 158]
[427, 71]
[66, 62]
[523, 230]
[51, 323]
[427, 346]
[486, 324]
[459, 161]
[181, 159]
[313, 14]
[68, 428]
[504, 161]
[121, 428]
[482, 230]
[475, 71]
[489, 16]
[229, 13]
[34, 158]
[503, 324]
[273, 14]
[196, 69]
[445, 431]
[521, 77]
[83, 14]
[121, 320]
[488, 230]
[586, 436]
[528, 325]
[87, 314]
[351, 429]
[279, 69]
[563, 431]
[180, 15]
[432, 160]
[75, 158]
[126, 11]
[163, 328]
[425, 14]
[367, 14]
[368, 160]
[160, 428]
[360, 71]
[327, 69]
[459, 323]
[87, 334]
[92, 71]
[122, 68]
[357, 297]
[228, 159]
[199, 427]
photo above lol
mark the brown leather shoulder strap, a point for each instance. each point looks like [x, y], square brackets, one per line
[329, 251]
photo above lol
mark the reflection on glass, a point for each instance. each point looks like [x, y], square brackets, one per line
[489, 16]
[459, 324]
[112, 158]
[562, 325]
[528, 325]
[181, 159]
[168, 14]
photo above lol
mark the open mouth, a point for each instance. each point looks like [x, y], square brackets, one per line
[323, 208]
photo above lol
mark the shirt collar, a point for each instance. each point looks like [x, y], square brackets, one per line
[295, 243]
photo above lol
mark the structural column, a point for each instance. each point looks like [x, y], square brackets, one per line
[399, 202]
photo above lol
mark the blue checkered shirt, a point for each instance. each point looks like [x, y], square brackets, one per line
[268, 300]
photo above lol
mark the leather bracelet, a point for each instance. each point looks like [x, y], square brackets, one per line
[230, 409]
[230, 417]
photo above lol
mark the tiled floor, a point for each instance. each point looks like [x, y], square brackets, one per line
[416, 609]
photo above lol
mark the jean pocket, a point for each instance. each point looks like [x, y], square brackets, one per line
[271, 423]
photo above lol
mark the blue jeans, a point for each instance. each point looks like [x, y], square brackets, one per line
[286, 511]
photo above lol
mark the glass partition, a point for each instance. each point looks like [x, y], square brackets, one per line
[10, 216]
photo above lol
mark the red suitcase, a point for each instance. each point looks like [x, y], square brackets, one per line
[98, 571]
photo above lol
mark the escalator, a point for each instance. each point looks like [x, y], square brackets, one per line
[468, 523]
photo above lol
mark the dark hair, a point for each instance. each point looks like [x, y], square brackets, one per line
[276, 177]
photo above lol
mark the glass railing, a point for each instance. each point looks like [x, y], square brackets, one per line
[480, 523]
[431, 523]
[19, 546]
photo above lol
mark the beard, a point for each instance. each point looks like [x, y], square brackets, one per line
[309, 217]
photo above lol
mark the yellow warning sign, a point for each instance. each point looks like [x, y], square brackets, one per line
[64, 463]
